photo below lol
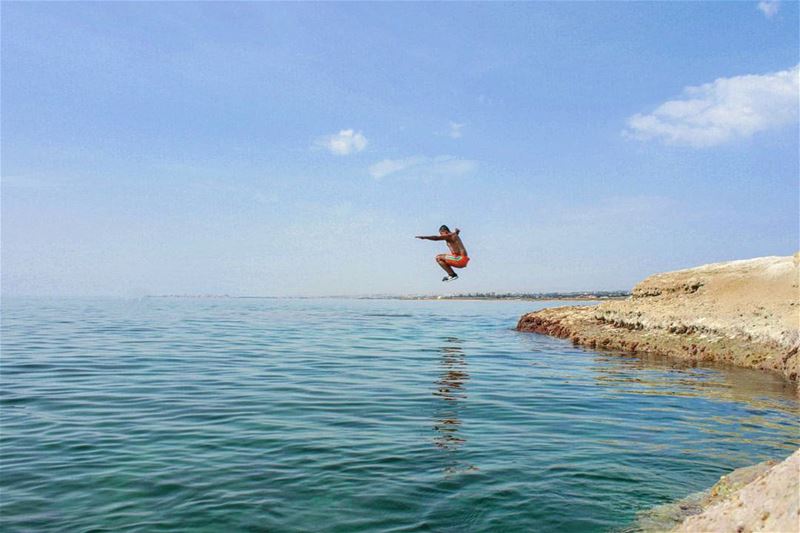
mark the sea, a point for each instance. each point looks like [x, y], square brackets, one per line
[347, 415]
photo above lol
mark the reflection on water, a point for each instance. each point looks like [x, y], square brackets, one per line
[682, 406]
[451, 389]
[654, 375]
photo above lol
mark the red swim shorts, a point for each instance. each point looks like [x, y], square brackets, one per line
[458, 261]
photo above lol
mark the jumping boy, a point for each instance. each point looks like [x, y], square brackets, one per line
[458, 254]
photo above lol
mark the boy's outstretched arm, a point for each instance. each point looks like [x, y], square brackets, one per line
[440, 237]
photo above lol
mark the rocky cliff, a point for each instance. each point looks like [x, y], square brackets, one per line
[745, 313]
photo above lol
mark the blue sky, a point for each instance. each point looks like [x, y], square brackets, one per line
[296, 149]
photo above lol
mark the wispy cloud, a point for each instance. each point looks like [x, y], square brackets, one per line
[24, 182]
[769, 7]
[455, 130]
[613, 210]
[265, 198]
[343, 143]
[381, 169]
[723, 110]
[443, 166]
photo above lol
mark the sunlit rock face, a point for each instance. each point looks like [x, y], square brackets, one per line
[745, 313]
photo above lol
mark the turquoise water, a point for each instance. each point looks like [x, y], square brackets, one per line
[352, 415]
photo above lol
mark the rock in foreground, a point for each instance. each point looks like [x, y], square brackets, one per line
[769, 503]
[762, 497]
[745, 313]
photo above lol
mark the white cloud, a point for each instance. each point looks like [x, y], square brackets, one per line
[343, 143]
[769, 7]
[443, 166]
[723, 110]
[455, 130]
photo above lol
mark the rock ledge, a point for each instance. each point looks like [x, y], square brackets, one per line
[745, 313]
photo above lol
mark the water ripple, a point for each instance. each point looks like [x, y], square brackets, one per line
[336, 415]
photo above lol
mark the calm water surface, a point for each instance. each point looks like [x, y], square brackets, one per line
[352, 415]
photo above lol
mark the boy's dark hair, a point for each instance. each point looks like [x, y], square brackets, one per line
[444, 228]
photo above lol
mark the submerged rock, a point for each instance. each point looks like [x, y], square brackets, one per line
[769, 502]
[745, 313]
[669, 516]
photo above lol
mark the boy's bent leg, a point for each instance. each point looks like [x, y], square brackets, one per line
[443, 263]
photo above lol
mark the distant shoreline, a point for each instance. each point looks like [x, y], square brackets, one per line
[502, 298]
[583, 296]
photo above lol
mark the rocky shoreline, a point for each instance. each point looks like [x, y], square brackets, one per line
[745, 313]
[763, 497]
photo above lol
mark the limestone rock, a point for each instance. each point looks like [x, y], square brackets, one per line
[745, 313]
[769, 503]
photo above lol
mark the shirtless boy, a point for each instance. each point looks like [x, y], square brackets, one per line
[458, 254]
